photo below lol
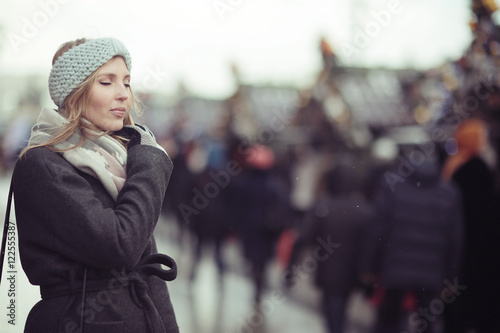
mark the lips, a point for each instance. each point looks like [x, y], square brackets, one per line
[119, 112]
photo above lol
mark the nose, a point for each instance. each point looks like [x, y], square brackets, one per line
[123, 93]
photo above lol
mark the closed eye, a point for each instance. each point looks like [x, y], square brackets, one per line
[105, 83]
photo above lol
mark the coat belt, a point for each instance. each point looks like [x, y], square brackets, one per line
[134, 280]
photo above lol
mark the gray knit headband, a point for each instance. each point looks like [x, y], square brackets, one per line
[76, 64]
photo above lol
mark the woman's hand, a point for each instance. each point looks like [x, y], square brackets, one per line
[138, 134]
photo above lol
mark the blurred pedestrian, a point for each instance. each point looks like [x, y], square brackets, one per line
[477, 308]
[339, 219]
[258, 211]
[211, 225]
[179, 192]
[88, 193]
[414, 243]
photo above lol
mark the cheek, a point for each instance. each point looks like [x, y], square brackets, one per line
[96, 101]
[96, 105]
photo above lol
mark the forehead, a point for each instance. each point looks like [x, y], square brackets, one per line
[115, 66]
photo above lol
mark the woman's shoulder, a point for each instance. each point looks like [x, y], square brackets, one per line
[40, 160]
[477, 162]
[39, 155]
[474, 166]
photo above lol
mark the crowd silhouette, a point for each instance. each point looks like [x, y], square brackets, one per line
[414, 219]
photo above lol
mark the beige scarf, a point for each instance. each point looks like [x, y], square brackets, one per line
[100, 156]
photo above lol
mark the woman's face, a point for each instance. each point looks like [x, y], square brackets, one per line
[109, 101]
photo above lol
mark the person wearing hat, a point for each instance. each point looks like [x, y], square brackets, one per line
[88, 193]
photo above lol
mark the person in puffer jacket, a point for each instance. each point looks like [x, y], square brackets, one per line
[414, 244]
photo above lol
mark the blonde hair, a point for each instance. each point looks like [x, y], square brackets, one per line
[470, 136]
[75, 105]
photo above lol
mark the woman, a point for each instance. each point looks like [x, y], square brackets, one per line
[88, 193]
[476, 307]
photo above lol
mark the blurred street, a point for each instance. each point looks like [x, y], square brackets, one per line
[201, 306]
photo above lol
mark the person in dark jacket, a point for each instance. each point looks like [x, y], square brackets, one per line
[414, 244]
[477, 308]
[338, 219]
[88, 193]
[256, 203]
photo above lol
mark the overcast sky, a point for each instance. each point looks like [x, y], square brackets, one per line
[271, 41]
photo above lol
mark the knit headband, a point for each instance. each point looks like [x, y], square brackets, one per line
[76, 64]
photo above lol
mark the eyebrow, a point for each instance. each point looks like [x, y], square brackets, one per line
[113, 75]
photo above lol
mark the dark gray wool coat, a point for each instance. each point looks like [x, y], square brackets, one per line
[67, 221]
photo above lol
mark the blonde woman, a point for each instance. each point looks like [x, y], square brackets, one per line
[88, 192]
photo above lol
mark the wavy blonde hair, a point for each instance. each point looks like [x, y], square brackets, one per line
[75, 105]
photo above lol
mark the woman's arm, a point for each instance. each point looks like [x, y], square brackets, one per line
[59, 211]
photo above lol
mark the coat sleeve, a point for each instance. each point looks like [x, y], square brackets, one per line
[60, 212]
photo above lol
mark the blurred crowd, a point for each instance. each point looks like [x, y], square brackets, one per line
[399, 205]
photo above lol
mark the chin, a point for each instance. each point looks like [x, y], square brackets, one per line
[115, 127]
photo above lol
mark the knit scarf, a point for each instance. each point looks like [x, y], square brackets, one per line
[100, 156]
